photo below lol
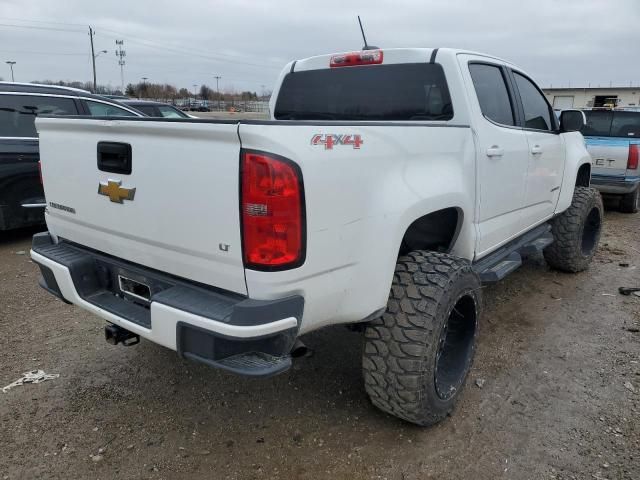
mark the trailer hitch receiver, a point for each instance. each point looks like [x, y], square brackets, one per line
[114, 335]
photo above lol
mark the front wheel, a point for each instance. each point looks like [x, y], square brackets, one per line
[630, 203]
[418, 354]
[576, 232]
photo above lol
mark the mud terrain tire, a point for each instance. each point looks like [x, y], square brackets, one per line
[576, 232]
[418, 354]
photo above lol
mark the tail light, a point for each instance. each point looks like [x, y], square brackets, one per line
[366, 57]
[272, 204]
[632, 161]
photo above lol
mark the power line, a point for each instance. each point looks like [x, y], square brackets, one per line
[34, 27]
[44, 21]
[167, 45]
[184, 51]
[148, 43]
[43, 53]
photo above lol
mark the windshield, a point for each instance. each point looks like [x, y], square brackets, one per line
[414, 91]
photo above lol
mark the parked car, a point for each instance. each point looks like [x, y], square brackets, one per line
[21, 196]
[200, 107]
[613, 140]
[156, 109]
[388, 186]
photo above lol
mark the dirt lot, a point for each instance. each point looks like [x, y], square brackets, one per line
[561, 395]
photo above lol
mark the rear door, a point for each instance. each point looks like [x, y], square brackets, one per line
[502, 153]
[546, 152]
[161, 194]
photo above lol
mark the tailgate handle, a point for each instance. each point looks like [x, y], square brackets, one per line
[114, 157]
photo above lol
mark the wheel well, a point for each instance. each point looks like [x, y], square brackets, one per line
[583, 179]
[435, 231]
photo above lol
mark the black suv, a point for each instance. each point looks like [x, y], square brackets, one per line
[21, 195]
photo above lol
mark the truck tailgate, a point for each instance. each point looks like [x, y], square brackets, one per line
[183, 216]
[609, 155]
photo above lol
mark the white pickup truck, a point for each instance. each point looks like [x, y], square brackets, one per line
[386, 188]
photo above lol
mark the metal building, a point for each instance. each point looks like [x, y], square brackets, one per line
[564, 98]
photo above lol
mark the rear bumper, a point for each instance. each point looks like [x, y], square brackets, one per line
[222, 329]
[615, 185]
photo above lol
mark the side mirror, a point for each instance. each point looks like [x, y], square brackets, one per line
[572, 120]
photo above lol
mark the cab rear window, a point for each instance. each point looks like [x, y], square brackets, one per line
[612, 123]
[409, 92]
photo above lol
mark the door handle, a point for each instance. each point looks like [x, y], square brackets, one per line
[494, 151]
[114, 157]
[536, 150]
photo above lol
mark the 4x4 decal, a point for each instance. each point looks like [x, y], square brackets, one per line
[329, 140]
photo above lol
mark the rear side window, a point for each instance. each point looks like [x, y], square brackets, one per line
[414, 91]
[168, 111]
[598, 123]
[625, 124]
[147, 110]
[18, 112]
[537, 113]
[99, 109]
[492, 93]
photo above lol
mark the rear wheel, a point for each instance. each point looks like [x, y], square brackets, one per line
[630, 203]
[418, 354]
[576, 232]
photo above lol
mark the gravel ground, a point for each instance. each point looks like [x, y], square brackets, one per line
[557, 361]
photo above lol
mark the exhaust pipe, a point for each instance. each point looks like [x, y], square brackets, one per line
[114, 335]
[300, 350]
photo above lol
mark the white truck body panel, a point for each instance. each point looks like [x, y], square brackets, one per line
[402, 173]
[186, 181]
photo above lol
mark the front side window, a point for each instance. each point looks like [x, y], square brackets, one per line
[99, 109]
[537, 114]
[492, 93]
[18, 112]
[410, 91]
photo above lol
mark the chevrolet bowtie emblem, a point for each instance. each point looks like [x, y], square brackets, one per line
[115, 192]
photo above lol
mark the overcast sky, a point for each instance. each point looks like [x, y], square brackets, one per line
[247, 42]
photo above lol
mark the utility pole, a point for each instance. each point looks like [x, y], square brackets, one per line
[93, 59]
[218, 77]
[11, 63]
[120, 53]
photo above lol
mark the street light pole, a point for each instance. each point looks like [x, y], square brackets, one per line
[11, 63]
[218, 77]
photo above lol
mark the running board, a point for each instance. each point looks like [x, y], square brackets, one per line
[497, 265]
[501, 269]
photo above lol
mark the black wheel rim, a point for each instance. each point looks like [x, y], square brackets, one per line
[591, 231]
[455, 347]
